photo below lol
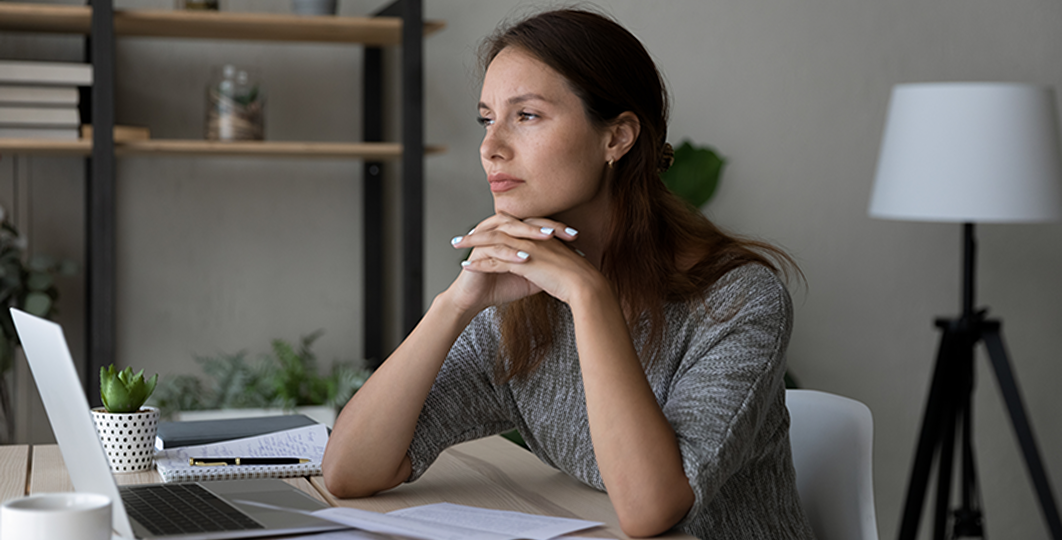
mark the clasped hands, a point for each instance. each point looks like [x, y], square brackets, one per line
[513, 258]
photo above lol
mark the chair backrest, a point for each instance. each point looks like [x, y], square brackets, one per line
[831, 437]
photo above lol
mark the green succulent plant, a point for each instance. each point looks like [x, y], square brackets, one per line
[125, 392]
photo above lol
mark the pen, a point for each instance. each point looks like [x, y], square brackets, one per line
[221, 462]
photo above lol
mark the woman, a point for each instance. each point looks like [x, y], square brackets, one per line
[634, 345]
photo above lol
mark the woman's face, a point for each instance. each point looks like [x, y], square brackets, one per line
[542, 156]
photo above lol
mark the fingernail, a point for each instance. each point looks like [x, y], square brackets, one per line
[571, 231]
[470, 232]
[465, 263]
[456, 240]
[581, 254]
[523, 255]
[546, 230]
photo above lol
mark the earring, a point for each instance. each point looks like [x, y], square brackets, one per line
[611, 162]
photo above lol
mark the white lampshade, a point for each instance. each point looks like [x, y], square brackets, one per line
[969, 152]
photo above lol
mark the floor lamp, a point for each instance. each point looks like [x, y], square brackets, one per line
[968, 153]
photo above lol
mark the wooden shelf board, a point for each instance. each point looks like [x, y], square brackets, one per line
[174, 147]
[45, 18]
[382, 151]
[80, 147]
[210, 25]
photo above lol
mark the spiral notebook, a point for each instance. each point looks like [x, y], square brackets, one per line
[306, 442]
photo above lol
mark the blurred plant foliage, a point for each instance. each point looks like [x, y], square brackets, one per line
[694, 175]
[283, 379]
[26, 285]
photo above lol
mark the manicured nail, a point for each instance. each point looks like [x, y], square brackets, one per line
[571, 231]
[581, 254]
[523, 255]
[456, 240]
[465, 263]
[470, 232]
[546, 230]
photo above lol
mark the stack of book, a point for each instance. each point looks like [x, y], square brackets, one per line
[39, 100]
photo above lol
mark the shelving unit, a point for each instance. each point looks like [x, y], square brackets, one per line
[399, 24]
[375, 31]
[174, 147]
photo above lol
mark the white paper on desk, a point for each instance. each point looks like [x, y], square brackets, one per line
[445, 521]
[305, 442]
[504, 522]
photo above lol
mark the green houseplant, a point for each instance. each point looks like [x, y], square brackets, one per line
[694, 173]
[26, 285]
[285, 379]
[126, 428]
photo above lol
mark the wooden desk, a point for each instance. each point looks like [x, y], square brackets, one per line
[14, 463]
[490, 473]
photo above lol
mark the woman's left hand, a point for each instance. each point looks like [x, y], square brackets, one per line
[534, 249]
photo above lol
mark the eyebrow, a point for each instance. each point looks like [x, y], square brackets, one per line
[531, 96]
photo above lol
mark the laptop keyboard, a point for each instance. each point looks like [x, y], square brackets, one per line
[172, 509]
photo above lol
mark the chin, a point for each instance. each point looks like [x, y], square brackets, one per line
[521, 208]
[512, 210]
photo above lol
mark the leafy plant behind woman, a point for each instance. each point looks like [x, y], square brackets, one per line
[286, 379]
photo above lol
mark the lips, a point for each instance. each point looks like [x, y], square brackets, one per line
[501, 182]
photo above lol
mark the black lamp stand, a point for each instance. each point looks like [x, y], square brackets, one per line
[948, 415]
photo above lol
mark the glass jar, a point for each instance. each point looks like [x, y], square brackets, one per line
[235, 106]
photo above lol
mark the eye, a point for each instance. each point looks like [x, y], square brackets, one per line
[524, 115]
[484, 121]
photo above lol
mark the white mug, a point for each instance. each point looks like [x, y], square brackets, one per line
[57, 516]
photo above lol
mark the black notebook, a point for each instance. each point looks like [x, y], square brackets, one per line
[174, 434]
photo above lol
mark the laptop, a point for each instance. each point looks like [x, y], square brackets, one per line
[68, 410]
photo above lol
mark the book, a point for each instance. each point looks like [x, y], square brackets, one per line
[60, 73]
[446, 521]
[63, 133]
[39, 96]
[306, 442]
[39, 117]
[197, 433]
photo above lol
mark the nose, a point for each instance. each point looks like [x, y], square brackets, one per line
[495, 144]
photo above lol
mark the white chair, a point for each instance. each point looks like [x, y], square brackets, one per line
[831, 438]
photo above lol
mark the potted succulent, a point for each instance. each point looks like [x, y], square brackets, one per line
[126, 428]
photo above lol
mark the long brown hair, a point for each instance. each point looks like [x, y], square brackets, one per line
[659, 249]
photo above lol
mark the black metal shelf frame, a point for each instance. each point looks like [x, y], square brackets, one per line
[412, 181]
[101, 226]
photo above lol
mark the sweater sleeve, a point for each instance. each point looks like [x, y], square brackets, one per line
[723, 402]
[463, 403]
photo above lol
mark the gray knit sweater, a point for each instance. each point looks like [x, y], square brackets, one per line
[718, 379]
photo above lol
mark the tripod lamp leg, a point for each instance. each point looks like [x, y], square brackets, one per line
[1008, 385]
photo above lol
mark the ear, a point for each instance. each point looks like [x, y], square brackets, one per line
[621, 135]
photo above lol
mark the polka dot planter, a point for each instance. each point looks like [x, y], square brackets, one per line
[128, 438]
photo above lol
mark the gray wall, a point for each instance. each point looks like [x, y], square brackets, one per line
[225, 254]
